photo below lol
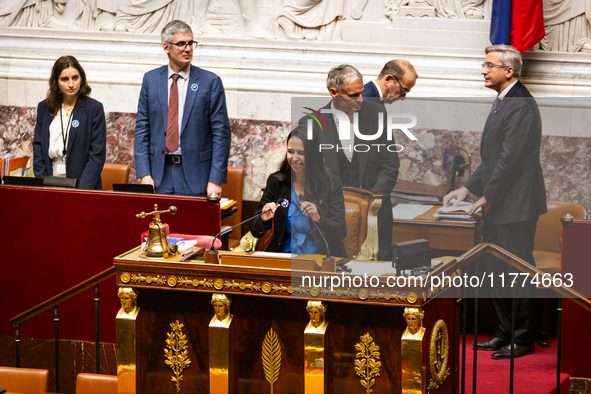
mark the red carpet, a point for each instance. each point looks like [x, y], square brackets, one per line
[534, 374]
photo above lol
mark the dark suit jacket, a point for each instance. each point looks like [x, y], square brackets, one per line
[332, 223]
[87, 147]
[205, 131]
[377, 170]
[510, 176]
[370, 90]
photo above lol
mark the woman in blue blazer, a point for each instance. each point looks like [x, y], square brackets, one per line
[70, 133]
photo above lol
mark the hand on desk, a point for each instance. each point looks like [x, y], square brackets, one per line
[459, 194]
[482, 202]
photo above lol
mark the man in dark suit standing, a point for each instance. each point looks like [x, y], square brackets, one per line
[395, 81]
[368, 164]
[182, 135]
[511, 186]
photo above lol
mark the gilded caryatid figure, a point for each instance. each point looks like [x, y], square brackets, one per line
[414, 323]
[128, 297]
[317, 312]
[221, 306]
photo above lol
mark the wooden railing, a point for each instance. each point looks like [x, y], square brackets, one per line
[53, 302]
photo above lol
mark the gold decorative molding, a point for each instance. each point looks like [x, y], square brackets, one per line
[438, 354]
[366, 365]
[177, 353]
[157, 280]
[267, 287]
[271, 357]
[125, 277]
[186, 282]
[242, 286]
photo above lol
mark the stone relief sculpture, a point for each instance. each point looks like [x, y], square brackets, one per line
[252, 28]
[97, 14]
[150, 16]
[31, 13]
[567, 26]
[445, 9]
[309, 20]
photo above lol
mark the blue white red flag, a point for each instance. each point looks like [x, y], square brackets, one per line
[519, 23]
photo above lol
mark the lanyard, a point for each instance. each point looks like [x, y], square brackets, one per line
[65, 137]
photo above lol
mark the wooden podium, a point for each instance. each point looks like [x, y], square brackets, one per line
[358, 339]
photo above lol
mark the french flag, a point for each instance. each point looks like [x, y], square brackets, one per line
[519, 23]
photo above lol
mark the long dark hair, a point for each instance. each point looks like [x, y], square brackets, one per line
[54, 94]
[318, 185]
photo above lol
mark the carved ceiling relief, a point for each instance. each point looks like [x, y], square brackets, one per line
[567, 22]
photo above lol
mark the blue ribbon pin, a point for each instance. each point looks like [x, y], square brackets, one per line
[194, 87]
[75, 123]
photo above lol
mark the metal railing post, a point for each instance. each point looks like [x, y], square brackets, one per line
[18, 347]
[559, 344]
[96, 313]
[57, 350]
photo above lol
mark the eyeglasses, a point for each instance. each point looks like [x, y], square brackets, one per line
[181, 46]
[488, 66]
[403, 90]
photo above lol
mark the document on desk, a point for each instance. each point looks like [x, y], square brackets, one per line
[409, 211]
[372, 268]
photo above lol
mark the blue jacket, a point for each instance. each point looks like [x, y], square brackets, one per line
[370, 90]
[87, 143]
[205, 131]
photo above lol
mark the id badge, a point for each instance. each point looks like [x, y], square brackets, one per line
[61, 169]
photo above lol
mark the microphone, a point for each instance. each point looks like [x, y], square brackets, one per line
[328, 263]
[284, 203]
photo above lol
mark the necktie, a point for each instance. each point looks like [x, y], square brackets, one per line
[495, 104]
[172, 123]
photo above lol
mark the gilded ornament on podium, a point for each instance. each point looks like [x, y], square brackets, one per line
[271, 358]
[176, 354]
[367, 366]
[438, 354]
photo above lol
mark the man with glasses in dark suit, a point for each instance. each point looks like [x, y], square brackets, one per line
[511, 188]
[395, 81]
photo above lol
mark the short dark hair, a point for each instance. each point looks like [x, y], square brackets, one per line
[54, 94]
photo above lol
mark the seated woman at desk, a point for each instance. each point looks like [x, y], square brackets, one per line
[314, 195]
[70, 133]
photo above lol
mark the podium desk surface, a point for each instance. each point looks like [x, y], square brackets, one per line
[454, 236]
[267, 275]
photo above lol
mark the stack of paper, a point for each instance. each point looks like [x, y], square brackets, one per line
[226, 203]
[458, 213]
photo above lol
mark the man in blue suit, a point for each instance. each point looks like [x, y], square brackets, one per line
[395, 81]
[182, 134]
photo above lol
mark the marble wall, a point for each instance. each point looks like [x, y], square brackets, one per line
[259, 147]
